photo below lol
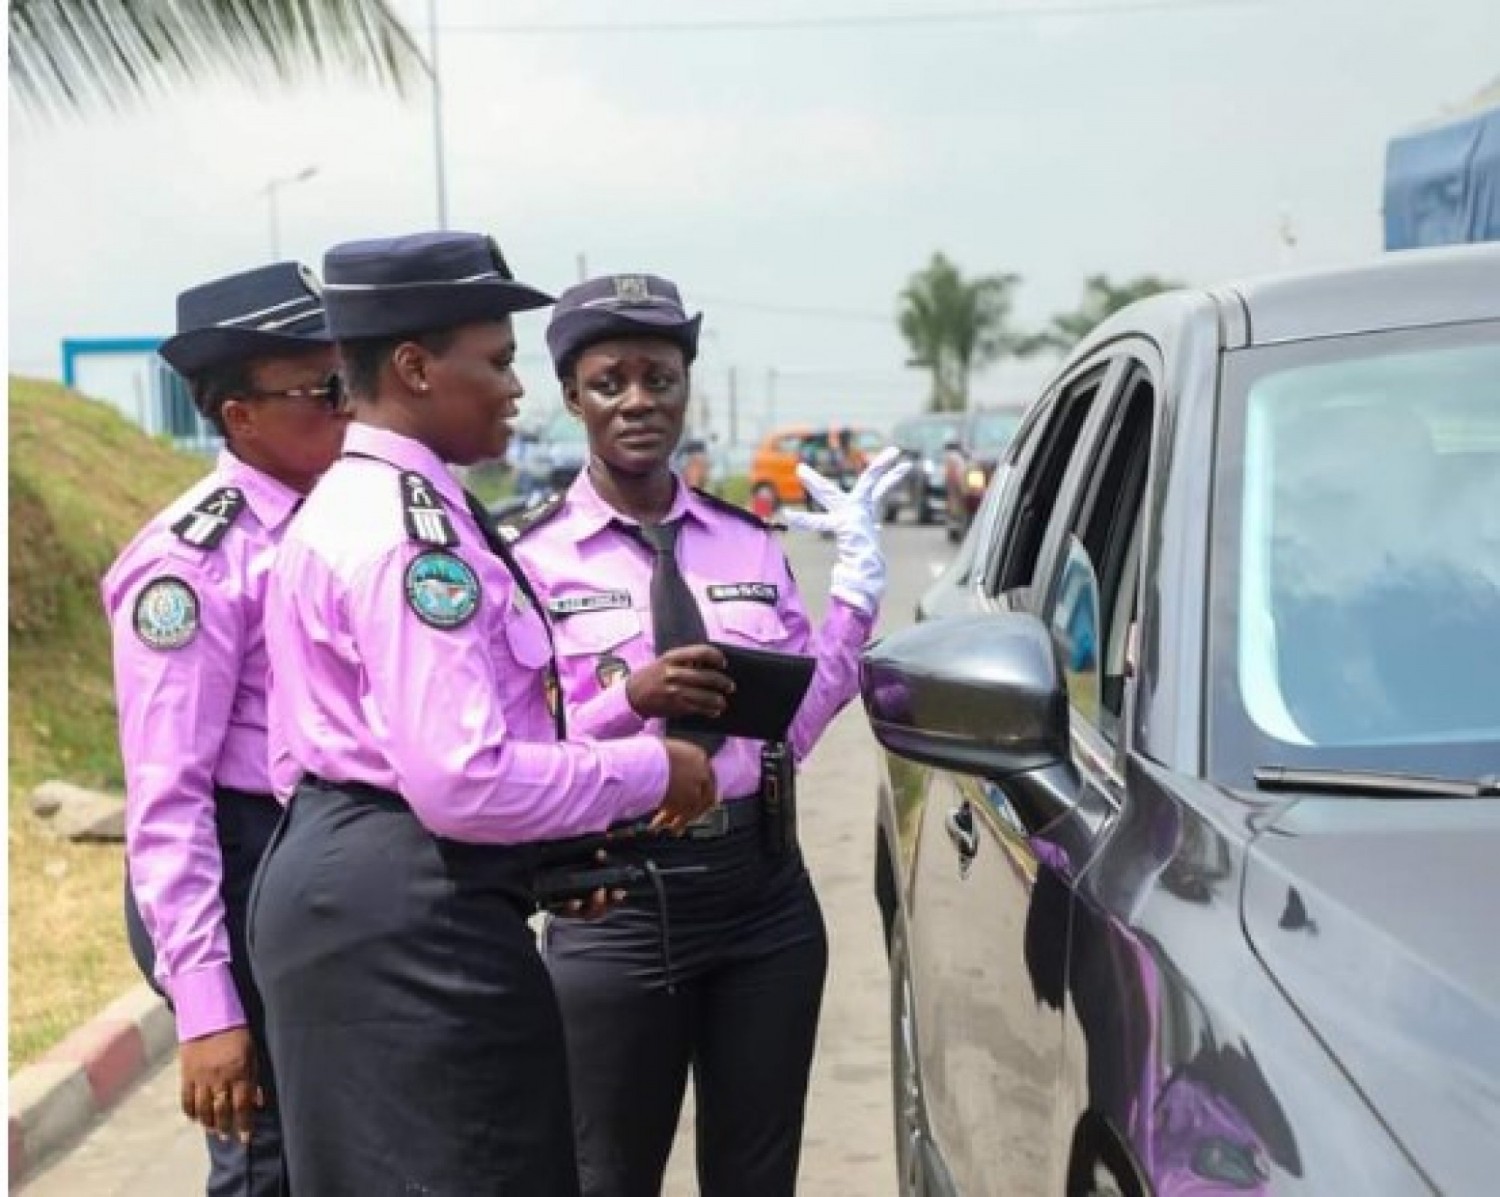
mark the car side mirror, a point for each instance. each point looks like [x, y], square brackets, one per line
[978, 694]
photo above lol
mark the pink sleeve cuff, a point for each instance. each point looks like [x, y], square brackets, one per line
[640, 764]
[206, 1000]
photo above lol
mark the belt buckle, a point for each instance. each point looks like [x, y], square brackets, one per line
[711, 824]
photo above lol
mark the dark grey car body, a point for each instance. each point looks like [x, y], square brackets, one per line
[1120, 962]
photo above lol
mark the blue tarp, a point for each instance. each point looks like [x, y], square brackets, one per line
[1442, 183]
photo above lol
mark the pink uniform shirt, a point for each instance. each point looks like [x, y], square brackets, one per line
[190, 684]
[596, 582]
[423, 670]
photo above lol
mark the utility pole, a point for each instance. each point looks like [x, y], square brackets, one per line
[583, 267]
[734, 408]
[771, 398]
[439, 162]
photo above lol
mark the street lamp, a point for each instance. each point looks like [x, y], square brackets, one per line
[270, 189]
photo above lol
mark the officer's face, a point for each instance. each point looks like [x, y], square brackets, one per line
[631, 395]
[472, 393]
[285, 424]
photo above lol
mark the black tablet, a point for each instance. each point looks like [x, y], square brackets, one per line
[768, 690]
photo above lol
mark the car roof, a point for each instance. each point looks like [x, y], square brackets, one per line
[1405, 289]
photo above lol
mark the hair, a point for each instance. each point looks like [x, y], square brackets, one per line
[365, 357]
[213, 385]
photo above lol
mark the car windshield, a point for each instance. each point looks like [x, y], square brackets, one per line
[1366, 578]
[992, 431]
[928, 438]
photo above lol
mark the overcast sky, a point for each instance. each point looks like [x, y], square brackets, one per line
[790, 179]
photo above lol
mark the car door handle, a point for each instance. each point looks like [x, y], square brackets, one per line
[960, 825]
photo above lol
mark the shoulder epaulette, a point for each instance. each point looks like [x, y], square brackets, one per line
[514, 527]
[733, 509]
[205, 525]
[427, 520]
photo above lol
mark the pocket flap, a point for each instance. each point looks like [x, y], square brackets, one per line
[589, 633]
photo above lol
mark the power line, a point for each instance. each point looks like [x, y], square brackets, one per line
[794, 310]
[856, 20]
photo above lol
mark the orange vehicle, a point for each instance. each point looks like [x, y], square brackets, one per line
[838, 451]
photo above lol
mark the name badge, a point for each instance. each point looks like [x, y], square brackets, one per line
[744, 592]
[573, 604]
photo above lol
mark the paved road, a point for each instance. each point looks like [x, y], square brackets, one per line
[146, 1148]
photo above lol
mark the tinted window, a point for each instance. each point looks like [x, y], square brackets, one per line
[1043, 480]
[1362, 591]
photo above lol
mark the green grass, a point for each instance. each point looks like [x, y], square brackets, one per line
[83, 479]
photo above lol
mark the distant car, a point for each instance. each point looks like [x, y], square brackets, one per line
[924, 490]
[1186, 840]
[970, 462]
[552, 458]
[838, 451]
[694, 462]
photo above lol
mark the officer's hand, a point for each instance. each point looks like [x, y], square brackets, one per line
[682, 681]
[691, 790]
[596, 905]
[219, 1086]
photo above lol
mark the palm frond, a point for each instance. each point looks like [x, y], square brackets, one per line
[74, 56]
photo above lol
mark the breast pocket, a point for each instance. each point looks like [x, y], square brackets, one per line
[757, 623]
[593, 633]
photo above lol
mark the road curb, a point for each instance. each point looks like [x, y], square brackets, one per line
[53, 1101]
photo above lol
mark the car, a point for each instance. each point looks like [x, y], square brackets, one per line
[1190, 806]
[548, 460]
[836, 450]
[924, 440]
[969, 461]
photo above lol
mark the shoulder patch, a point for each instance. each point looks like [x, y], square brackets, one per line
[516, 526]
[427, 520]
[441, 589]
[166, 614]
[205, 525]
[729, 508]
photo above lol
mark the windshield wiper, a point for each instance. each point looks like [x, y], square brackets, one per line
[1376, 785]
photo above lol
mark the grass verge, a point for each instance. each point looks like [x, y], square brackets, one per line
[83, 479]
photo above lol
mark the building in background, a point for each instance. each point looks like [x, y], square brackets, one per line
[127, 373]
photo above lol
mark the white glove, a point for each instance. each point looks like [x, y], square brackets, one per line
[859, 573]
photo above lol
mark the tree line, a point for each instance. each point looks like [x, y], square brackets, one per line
[956, 325]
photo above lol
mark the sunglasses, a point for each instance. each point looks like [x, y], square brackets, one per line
[331, 394]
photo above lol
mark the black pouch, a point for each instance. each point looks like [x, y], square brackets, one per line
[778, 800]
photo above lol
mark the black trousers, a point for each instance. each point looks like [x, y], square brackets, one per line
[736, 1004]
[416, 1038]
[245, 823]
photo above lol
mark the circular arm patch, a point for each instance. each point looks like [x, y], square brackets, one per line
[441, 589]
[166, 614]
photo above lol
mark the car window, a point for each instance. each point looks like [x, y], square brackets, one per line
[1042, 482]
[992, 430]
[1092, 601]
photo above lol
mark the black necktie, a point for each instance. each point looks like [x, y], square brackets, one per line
[675, 618]
[497, 545]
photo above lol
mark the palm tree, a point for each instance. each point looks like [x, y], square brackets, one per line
[71, 56]
[1101, 298]
[955, 325]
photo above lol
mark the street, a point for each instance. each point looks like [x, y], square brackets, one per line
[146, 1148]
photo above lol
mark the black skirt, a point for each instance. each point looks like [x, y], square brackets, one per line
[415, 1035]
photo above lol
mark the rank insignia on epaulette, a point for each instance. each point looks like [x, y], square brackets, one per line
[516, 526]
[205, 525]
[427, 520]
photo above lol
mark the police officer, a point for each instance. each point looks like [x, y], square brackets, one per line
[414, 718]
[732, 991]
[185, 603]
